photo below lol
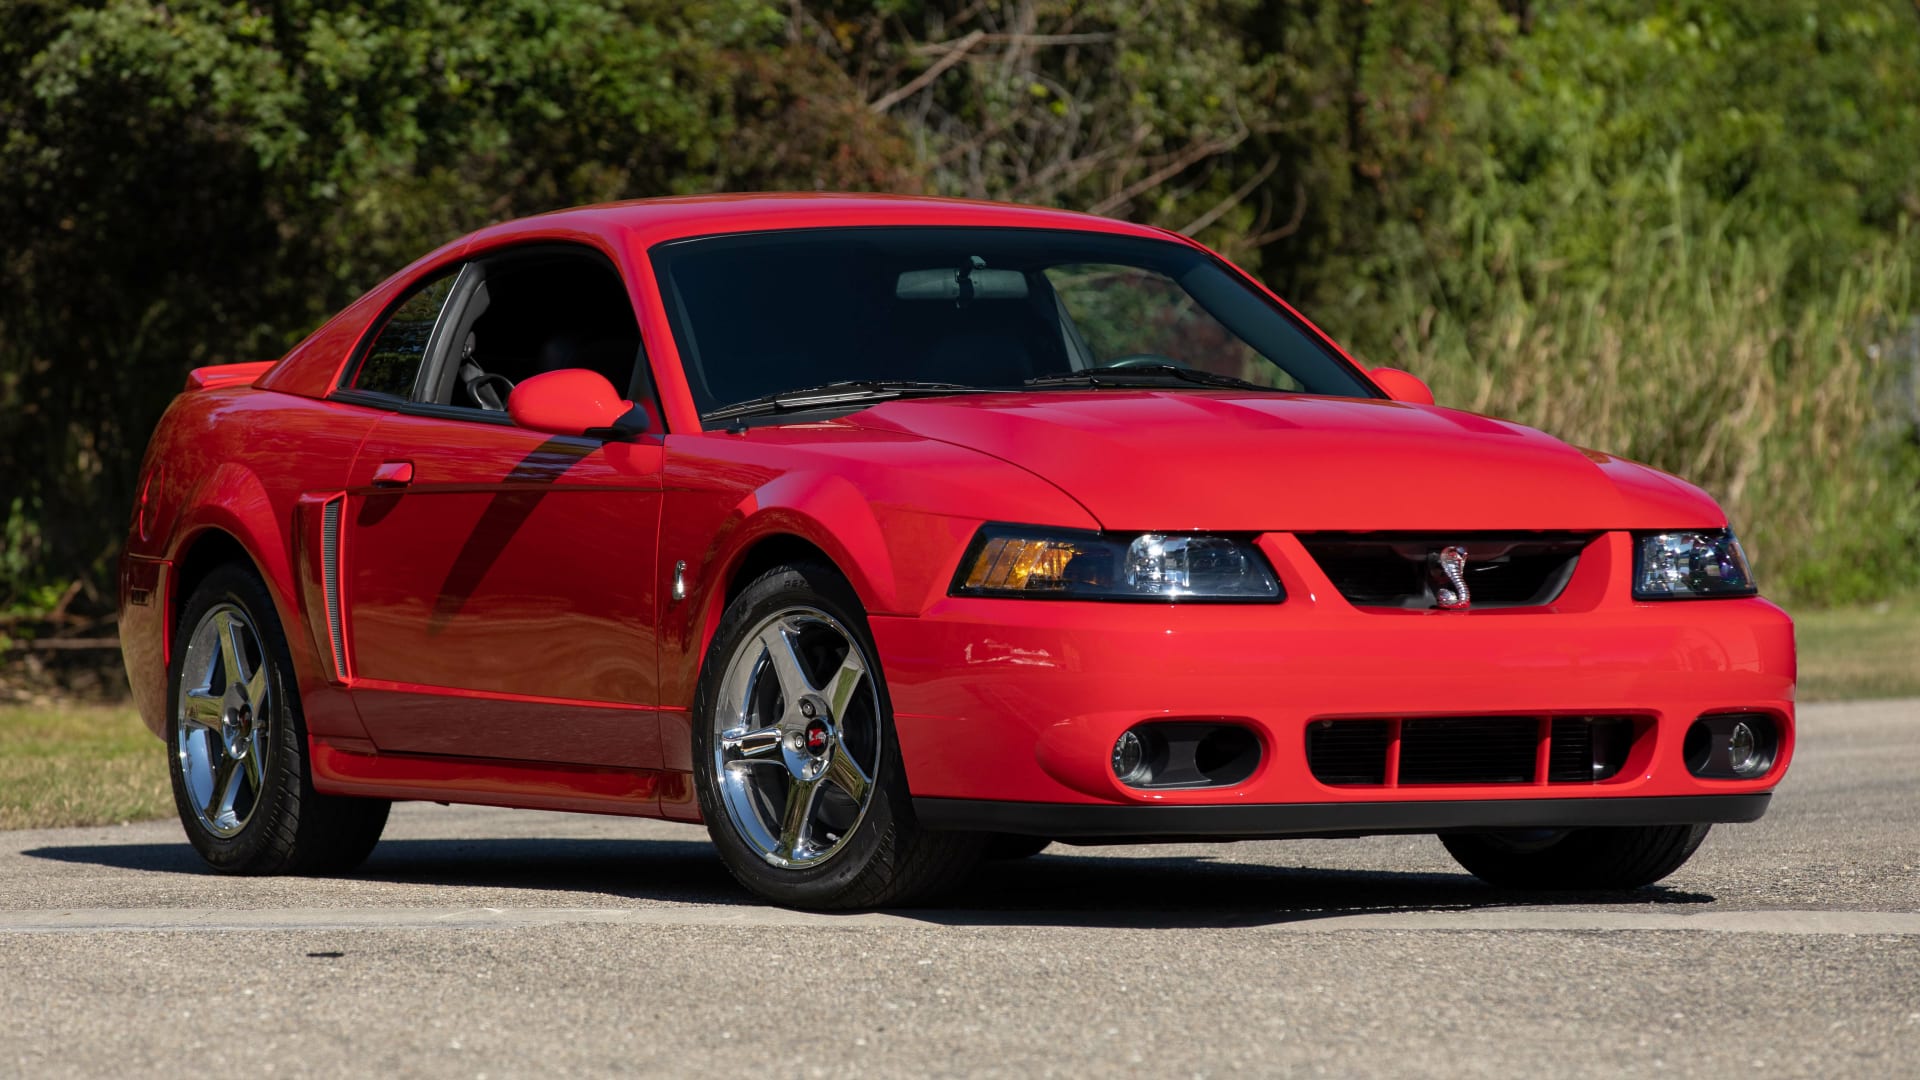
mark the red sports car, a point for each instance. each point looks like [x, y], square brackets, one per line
[885, 534]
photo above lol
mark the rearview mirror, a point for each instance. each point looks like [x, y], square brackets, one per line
[575, 401]
[961, 286]
[1401, 385]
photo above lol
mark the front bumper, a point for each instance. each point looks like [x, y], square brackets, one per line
[1019, 702]
[1295, 820]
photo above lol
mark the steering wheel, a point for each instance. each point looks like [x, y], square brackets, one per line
[485, 379]
[1144, 359]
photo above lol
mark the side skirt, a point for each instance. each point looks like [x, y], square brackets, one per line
[354, 768]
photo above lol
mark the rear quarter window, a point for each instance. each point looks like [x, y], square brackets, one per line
[392, 362]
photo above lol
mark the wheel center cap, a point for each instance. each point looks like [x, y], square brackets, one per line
[236, 724]
[816, 734]
[234, 733]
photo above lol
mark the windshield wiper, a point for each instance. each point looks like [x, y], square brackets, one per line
[844, 391]
[1147, 374]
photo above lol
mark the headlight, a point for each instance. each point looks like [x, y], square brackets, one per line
[1685, 565]
[1065, 564]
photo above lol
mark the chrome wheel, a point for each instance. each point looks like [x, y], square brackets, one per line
[224, 731]
[796, 751]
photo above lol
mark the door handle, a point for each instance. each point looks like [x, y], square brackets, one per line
[393, 474]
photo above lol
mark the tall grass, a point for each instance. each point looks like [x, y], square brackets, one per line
[1696, 353]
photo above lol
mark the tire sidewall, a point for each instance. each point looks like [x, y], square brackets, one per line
[245, 850]
[872, 840]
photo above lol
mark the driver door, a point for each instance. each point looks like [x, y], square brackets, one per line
[498, 584]
[500, 592]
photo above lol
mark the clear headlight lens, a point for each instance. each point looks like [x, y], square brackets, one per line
[1069, 565]
[1685, 565]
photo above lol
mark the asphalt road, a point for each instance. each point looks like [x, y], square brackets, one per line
[509, 943]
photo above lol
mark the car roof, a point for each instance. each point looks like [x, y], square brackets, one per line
[625, 230]
[650, 221]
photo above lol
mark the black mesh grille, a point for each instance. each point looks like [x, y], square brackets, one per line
[1526, 570]
[1348, 751]
[1372, 580]
[1588, 748]
[1570, 759]
[1469, 750]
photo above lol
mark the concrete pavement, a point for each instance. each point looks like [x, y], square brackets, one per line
[501, 943]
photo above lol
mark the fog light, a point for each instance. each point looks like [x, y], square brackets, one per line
[1130, 759]
[1743, 751]
[1732, 746]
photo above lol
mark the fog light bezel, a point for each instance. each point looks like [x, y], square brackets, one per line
[1142, 767]
[1707, 747]
[1192, 753]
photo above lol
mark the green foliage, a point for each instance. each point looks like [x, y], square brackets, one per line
[201, 182]
[1676, 230]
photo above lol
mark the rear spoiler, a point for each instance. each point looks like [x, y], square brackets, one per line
[207, 378]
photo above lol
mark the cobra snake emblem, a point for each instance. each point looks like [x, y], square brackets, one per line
[1448, 567]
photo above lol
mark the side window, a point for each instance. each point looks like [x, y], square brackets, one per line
[1129, 312]
[535, 312]
[392, 362]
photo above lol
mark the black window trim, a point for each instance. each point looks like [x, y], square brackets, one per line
[469, 275]
[378, 325]
[472, 276]
[669, 292]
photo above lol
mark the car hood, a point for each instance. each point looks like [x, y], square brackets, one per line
[1229, 461]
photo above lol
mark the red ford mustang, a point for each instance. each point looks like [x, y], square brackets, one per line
[883, 535]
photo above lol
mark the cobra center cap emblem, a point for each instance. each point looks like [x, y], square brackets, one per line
[1447, 567]
[816, 737]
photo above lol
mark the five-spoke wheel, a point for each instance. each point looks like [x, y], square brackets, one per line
[799, 743]
[796, 762]
[224, 732]
[238, 742]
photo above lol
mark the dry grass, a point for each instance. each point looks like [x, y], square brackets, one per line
[1860, 652]
[79, 765]
[1691, 355]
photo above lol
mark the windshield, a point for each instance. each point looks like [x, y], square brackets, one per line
[758, 315]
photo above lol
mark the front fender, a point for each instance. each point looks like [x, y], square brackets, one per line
[820, 508]
[827, 511]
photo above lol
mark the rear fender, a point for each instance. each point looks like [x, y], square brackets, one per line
[233, 500]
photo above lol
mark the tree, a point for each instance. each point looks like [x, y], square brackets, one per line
[201, 182]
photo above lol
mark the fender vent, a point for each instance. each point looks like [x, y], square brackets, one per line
[330, 581]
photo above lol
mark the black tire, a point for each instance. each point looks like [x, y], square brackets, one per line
[884, 858]
[1591, 859]
[1005, 847]
[287, 827]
